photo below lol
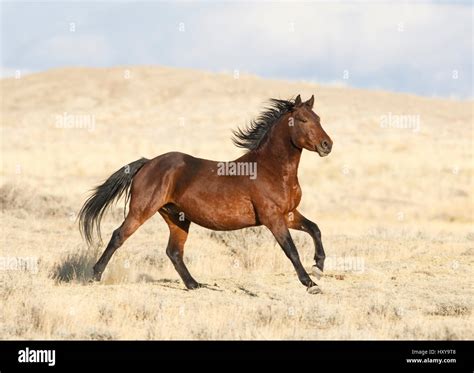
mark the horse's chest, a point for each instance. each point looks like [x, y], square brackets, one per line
[295, 197]
[291, 194]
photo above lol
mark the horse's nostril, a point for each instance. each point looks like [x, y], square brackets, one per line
[325, 144]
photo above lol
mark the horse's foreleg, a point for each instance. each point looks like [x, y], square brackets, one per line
[278, 227]
[175, 249]
[299, 222]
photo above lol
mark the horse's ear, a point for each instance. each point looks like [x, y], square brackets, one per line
[298, 100]
[310, 102]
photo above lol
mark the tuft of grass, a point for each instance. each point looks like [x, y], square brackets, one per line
[450, 309]
[99, 335]
[75, 267]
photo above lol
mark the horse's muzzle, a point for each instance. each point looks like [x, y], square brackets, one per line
[324, 148]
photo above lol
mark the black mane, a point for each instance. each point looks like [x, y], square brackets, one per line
[252, 135]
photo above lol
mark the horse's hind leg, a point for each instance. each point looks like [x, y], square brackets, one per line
[140, 211]
[128, 227]
[175, 249]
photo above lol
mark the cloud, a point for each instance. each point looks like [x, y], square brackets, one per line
[413, 47]
[377, 44]
[61, 50]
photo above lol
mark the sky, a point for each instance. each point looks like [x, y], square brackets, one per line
[424, 48]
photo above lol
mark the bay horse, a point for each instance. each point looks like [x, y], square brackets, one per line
[185, 189]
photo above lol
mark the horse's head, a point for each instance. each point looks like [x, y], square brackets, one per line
[305, 128]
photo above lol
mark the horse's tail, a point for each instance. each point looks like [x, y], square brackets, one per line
[103, 196]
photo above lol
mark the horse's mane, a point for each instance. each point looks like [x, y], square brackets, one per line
[251, 136]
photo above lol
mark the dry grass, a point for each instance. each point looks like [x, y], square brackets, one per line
[395, 207]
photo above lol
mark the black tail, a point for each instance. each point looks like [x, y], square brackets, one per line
[111, 190]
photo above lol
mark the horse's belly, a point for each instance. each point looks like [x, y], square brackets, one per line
[219, 213]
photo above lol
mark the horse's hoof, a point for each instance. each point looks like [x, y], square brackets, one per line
[315, 289]
[95, 278]
[316, 272]
[194, 286]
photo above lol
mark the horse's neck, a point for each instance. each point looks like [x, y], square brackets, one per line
[278, 153]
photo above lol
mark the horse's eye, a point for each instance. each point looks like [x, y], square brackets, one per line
[301, 119]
